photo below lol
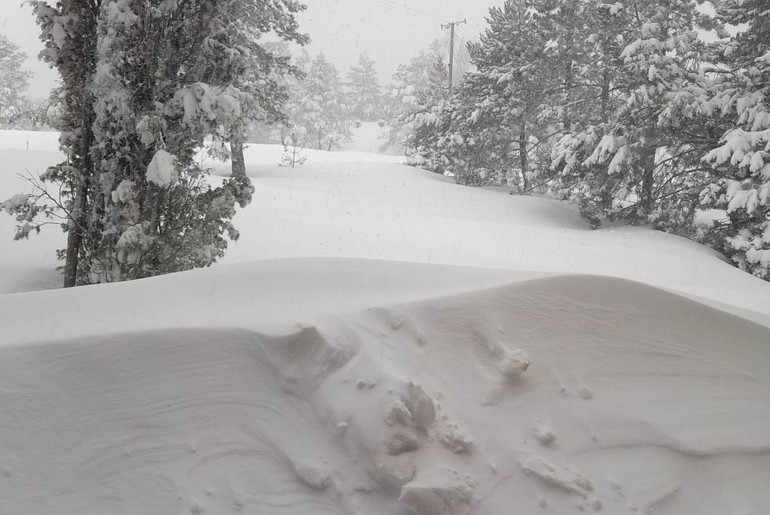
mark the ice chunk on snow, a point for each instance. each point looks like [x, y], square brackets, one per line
[586, 393]
[312, 476]
[558, 476]
[543, 434]
[162, 169]
[514, 363]
[401, 442]
[421, 406]
[457, 440]
[399, 414]
[395, 471]
[438, 500]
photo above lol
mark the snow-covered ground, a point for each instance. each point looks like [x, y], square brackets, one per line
[369, 137]
[382, 341]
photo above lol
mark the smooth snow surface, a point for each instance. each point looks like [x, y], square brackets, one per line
[369, 137]
[383, 342]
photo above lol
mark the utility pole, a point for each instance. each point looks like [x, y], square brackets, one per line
[451, 27]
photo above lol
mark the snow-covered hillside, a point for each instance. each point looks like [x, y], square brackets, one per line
[382, 341]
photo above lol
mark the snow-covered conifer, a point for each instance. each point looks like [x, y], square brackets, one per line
[13, 82]
[144, 83]
[318, 107]
[741, 181]
[363, 90]
[640, 158]
[506, 112]
[413, 89]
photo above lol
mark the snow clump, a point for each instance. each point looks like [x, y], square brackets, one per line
[514, 363]
[162, 169]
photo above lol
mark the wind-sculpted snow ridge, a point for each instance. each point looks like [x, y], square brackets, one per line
[565, 395]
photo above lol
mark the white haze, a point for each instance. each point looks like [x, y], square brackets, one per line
[390, 31]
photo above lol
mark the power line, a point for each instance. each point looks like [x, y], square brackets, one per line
[408, 9]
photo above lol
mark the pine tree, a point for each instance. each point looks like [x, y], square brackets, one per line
[144, 83]
[318, 107]
[270, 125]
[13, 82]
[506, 95]
[501, 120]
[363, 90]
[641, 160]
[741, 180]
[411, 84]
[430, 119]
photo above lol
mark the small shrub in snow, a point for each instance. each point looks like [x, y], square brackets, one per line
[293, 151]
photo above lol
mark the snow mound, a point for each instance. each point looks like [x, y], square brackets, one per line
[394, 410]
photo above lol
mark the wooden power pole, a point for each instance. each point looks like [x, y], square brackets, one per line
[451, 27]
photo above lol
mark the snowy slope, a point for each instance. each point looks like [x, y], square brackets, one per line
[636, 400]
[383, 342]
[366, 138]
[358, 205]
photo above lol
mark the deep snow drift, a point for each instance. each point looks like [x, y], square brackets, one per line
[339, 362]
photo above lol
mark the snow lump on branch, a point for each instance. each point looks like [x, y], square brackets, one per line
[162, 169]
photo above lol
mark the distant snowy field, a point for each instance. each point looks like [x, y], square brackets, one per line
[382, 341]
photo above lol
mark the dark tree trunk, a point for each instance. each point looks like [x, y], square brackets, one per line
[80, 190]
[648, 175]
[75, 235]
[605, 94]
[524, 158]
[606, 198]
[238, 161]
[567, 89]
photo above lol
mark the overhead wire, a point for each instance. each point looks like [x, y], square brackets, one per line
[409, 9]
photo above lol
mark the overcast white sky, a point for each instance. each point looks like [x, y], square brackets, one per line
[391, 31]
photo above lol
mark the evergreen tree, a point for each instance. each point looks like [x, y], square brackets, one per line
[430, 119]
[519, 71]
[410, 86]
[364, 97]
[317, 106]
[144, 83]
[501, 120]
[269, 126]
[13, 82]
[641, 160]
[741, 181]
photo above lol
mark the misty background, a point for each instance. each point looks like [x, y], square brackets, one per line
[390, 31]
